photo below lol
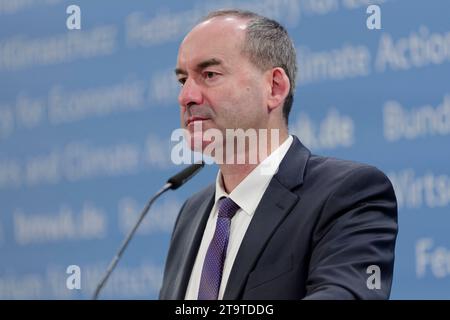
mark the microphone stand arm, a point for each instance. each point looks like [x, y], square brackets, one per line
[116, 258]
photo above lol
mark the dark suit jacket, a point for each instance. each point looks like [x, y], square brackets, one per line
[319, 226]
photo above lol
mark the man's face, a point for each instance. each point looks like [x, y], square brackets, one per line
[221, 88]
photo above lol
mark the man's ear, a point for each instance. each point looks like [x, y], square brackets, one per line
[279, 88]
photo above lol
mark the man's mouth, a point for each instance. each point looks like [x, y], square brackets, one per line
[192, 120]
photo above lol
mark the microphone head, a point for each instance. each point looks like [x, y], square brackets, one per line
[182, 177]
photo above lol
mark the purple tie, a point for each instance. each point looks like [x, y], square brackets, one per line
[217, 250]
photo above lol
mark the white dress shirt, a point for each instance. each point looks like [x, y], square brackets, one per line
[247, 195]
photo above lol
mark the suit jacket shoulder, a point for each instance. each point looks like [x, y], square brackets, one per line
[354, 231]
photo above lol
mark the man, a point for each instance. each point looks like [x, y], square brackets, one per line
[291, 225]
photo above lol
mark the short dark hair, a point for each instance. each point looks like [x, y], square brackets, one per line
[268, 45]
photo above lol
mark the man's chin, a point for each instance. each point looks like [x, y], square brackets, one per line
[195, 137]
[198, 144]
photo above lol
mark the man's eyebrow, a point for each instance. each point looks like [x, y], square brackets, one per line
[208, 63]
[200, 66]
[179, 71]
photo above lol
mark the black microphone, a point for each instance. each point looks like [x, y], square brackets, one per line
[173, 183]
[181, 178]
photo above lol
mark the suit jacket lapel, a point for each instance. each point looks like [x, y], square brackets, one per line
[275, 205]
[191, 245]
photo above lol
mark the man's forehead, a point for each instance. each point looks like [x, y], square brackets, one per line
[221, 23]
[218, 39]
[217, 29]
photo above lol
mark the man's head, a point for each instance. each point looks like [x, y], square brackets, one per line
[237, 70]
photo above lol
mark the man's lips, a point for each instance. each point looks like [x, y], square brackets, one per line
[191, 120]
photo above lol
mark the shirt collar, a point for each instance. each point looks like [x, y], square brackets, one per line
[255, 184]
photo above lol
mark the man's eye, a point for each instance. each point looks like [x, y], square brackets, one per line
[182, 81]
[210, 74]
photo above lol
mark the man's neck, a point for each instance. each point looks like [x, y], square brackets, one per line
[233, 174]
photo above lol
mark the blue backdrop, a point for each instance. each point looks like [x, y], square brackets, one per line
[86, 118]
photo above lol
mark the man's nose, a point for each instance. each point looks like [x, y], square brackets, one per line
[190, 94]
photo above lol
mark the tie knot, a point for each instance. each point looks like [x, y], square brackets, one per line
[227, 208]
